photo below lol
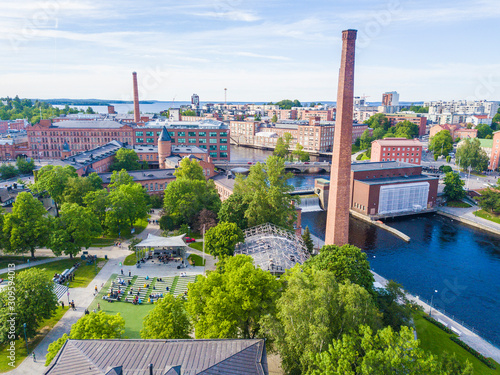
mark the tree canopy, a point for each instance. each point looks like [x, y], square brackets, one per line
[267, 193]
[378, 120]
[126, 159]
[221, 240]
[441, 143]
[453, 187]
[53, 180]
[233, 210]
[24, 166]
[470, 153]
[484, 131]
[230, 301]
[189, 169]
[287, 104]
[98, 326]
[490, 200]
[167, 320]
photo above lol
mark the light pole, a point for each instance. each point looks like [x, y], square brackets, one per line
[67, 286]
[430, 307]
[468, 178]
[203, 248]
[26, 340]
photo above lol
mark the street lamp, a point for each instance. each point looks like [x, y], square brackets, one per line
[67, 285]
[468, 178]
[430, 307]
[25, 339]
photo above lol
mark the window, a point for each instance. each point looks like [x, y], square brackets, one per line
[202, 134]
[202, 140]
[202, 146]
[213, 134]
[192, 134]
[150, 134]
[223, 154]
[213, 148]
[156, 185]
[223, 140]
[192, 140]
[213, 154]
[173, 140]
[172, 134]
[181, 140]
[181, 134]
[223, 148]
[161, 186]
[139, 140]
[213, 140]
[223, 134]
[150, 140]
[158, 134]
[138, 134]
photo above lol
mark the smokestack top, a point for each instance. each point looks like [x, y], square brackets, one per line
[134, 73]
[349, 34]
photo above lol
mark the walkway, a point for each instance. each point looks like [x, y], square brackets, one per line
[470, 218]
[34, 263]
[472, 339]
[83, 297]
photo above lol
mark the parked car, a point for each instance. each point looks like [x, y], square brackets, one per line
[189, 239]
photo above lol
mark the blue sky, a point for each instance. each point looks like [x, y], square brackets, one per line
[259, 50]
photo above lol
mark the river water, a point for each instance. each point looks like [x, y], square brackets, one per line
[460, 262]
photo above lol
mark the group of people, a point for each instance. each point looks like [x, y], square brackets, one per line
[118, 243]
[137, 300]
[113, 295]
[152, 221]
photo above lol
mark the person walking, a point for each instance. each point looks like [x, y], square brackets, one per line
[122, 271]
[34, 356]
[129, 274]
[62, 304]
[95, 289]
[98, 307]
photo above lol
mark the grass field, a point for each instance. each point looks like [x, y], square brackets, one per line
[198, 260]
[109, 240]
[5, 260]
[83, 275]
[436, 341]
[458, 204]
[487, 216]
[130, 260]
[45, 327]
[196, 245]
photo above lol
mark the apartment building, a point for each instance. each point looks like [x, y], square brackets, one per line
[397, 149]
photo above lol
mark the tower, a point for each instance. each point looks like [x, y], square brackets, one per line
[164, 147]
[337, 222]
[137, 113]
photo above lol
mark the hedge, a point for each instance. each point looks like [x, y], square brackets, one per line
[487, 361]
[440, 325]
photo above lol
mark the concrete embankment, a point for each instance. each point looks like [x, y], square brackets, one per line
[470, 222]
[380, 224]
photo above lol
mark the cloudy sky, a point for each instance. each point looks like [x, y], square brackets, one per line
[259, 50]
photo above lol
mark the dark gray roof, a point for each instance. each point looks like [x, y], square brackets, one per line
[84, 124]
[208, 357]
[380, 165]
[146, 175]
[164, 136]
[396, 180]
[188, 149]
[87, 158]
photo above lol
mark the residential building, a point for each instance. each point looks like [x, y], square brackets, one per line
[495, 151]
[456, 131]
[397, 149]
[419, 120]
[390, 98]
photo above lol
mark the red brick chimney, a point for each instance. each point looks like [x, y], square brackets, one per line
[137, 113]
[337, 222]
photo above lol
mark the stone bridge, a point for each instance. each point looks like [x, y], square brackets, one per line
[315, 166]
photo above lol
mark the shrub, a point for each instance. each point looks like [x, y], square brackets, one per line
[440, 325]
[487, 361]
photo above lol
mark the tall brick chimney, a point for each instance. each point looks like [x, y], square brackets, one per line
[337, 222]
[137, 113]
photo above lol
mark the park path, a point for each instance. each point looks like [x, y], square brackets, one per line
[83, 297]
[468, 214]
[32, 263]
[472, 339]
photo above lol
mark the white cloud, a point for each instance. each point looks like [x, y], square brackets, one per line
[234, 15]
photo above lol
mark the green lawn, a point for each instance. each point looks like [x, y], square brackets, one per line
[83, 275]
[488, 216]
[5, 260]
[130, 260]
[458, 204]
[436, 341]
[103, 242]
[198, 260]
[110, 239]
[196, 245]
[45, 327]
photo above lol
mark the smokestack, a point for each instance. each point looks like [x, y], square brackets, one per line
[137, 113]
[337, 222]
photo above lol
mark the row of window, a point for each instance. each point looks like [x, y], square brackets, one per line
[83, 134]
[397, 154]
[400, 148]
[359, 206]
[401, 159]
[181, 134]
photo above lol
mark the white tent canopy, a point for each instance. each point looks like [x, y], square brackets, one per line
[159, 241]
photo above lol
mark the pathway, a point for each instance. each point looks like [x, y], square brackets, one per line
[472, 339]
[468, 213]
[33, 263]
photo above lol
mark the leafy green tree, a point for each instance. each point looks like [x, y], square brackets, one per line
[31, 301]
[97, 202]
[288, 104]
[189, 169]
[366, 140]
[451, 365]
[274, 119]
[445, 168]
[221, 240]
[98, 326]
[300, 153]
[167, 223]
[312, 311]
[483, 130]
[233, 210]
[95, 181]
[168, 320]
[184, 198]
[308, 241]
[126, 159]
[441, 143]
[347, 262]
[267, 193]
[394, 305]
[89, 111]
[453, 187]
[76, 189]
[230, 301]
[73, 229]
[26, 227]
[54, 348]
[280, 149]
[126, 205]
[188, 112]
[119, 178]
[378, 120]
[156, 201]
[378, 133]
[8, 171]
[406, 129]
[367, 353]
[490, 201]
[470, 153]
[53, 180]
[24, 166]
[204, 219]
